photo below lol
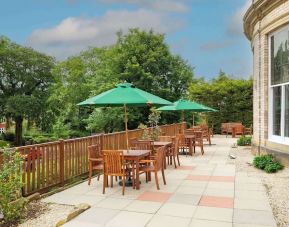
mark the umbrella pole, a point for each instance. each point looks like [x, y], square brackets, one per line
[183, 120]
[193, 119]
[125, 121]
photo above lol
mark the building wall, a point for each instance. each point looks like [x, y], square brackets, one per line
[263, 18]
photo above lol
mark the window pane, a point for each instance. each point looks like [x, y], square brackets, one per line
[280, 57]
[277, 111]
[287, 110]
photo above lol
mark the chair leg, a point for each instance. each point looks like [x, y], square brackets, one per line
[174, 161]
[202, 149]
[104, 183]
[123, 184]
[111, 181]
[157, 180]
[163, 174]
[178, 159]
[98, 176]
[90, 173]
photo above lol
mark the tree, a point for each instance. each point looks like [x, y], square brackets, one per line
[24, 85]
[233, 98]
[140, 57]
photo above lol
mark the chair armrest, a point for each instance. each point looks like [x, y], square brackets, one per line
[95, 159]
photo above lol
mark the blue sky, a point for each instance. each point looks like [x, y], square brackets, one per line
[207, 33]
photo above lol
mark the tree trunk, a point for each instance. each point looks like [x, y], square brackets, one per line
[8, 122]
[18, 130]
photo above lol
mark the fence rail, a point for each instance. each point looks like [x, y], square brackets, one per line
[47, 165]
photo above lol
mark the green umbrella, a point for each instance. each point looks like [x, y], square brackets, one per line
[186, 105]
[125, 95]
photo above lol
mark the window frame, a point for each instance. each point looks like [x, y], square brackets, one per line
[271, 137]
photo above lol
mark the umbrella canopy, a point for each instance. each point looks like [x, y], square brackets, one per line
[187, 105]
[125, 94]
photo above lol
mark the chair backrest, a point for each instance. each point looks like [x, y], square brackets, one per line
[142, 145]
[94, 151]
[182, 140]
[199, 135]
[165, 138]
[113, 162]
[132, 141]
[159, 157]
[189, 131]
[239, 129]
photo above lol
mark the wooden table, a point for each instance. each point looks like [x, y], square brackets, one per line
[189, 140]
[135, 156]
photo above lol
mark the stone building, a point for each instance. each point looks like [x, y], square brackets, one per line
[266, 25]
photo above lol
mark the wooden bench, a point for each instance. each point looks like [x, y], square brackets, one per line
[233, 128]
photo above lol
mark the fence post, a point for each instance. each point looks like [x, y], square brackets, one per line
[61, 159]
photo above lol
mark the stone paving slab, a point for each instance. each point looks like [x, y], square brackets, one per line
[205, 192]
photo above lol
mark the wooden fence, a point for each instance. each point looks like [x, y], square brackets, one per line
[52, 164]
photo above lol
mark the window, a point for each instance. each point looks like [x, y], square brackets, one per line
[1, 130]
[279, 86]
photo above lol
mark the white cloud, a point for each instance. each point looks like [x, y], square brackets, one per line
[235, 27]
[74, 34]
[158, 5]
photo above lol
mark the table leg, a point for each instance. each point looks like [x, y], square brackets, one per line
[191, 147]
[137, 174]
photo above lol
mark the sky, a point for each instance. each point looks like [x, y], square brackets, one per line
[206, 33]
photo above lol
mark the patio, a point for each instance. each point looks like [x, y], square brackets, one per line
[204, 191]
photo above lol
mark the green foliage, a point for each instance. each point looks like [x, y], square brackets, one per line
[244, 141]
[140, 57]
[267, 163]
[3, 144]
[105, 120]
[154, 119]
[145, 135]
[231, 97]
[24, 85]
[9, 136]
[10, 186]
[273, 167]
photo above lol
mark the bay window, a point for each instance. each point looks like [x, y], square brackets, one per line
[279, 86]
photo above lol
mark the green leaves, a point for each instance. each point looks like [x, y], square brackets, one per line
[232, 97]
[10, 185]
[267, 163]
[25, 80]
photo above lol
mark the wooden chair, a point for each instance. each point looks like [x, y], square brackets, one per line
[198, 142]
[114, 165]
[173, 153]
[155, 165]
[206, 133]
[132, 142]
[142, 145]
[183, 144]
[95, 161]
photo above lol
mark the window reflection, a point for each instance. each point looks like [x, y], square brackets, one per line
[287, 111]
[277, 111]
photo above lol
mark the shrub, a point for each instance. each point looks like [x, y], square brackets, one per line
[273, 167]
[267, 163]
[9, 136]
[11, 201]
[244, 141]
[3, 144]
